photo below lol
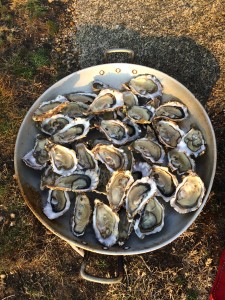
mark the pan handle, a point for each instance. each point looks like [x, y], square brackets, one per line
[118, 50]
[102, 280]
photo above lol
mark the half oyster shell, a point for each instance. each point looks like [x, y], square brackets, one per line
[172, 111]
[58, 203]
[105, 224]
[130, 99]
[74, 109]
[151, 219]
[98, 85]
[117, 187]
[83, 97]
[115, 131]
[125, 227]
[86, 159]
[48, 178]
[165, 181]
[81, 215]
[189, 194]
[179, 161]
[133, 129]
[138, 195]
[193, 143]
[141, 114]
[141, 169]
[54, 124]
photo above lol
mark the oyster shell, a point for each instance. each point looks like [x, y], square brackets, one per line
[81, 215]
[114, 158]
[48, 178]
[79, 181]
[86, 159]
[98, 85]
[169, 133]
[189, 194]
[104, 177]
[58, 203]
[107, 100]
[37, 157]
[125, 227]
[77, 129]
[115, 131]
[172, 111]
[133, 129]
[54, 124]
[49, 108]
[138, 195]
[63, 160]
[117, 187]
[165, 181]
[146, 85]
[86, 98]
[105, 224]
[130, 99]
[151, 219]
[74, 109]
[141, 114]
[179, 161]
[141, 169]
[193, 143]
[150, 150]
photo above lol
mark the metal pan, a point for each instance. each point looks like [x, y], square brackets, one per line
[114, 74]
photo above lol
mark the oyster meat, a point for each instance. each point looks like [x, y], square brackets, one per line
[141, 114]
[48, 178]
[193, 143]
[117, 187]
[74, 109]
[179, 161]
[105, 224]
[81, 215]
[82, 97]
[54, 124]
[133, 129]
[115, 131]
[130, 99]
[189, 194]
[172, 110]
[151, 219]
[125, 227]
[86, 159]
[138, 195]
[58, 203]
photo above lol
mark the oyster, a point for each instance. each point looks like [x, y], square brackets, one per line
[169, 133]
[81, 215]
[58, 203]
[138, 195]
[48, 178]
[77, 129]
[130, 99]
[151, 219]
[54, 124]
[166, 182]
[105, 224]
[86, 98]
[79, 181]
[98, 85]
[189, 194]
[141, 169]
[49, 108]
[114, 158]
[115, 131]
[193, 143]
[104, 177]
[37, 157]
[125, 227]
[107, 100]
[150, 150]
[133, 129]
[63, 160]
[179, 161]
[172, 110]
[74, 109]
[117, 187]
[130, 157]
[146, 85]
[141, 114]
[86, 159]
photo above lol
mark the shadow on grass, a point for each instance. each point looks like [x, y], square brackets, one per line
[180, 57]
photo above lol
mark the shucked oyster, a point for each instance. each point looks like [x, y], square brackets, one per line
[133, 129]
[114, 158]
[49, 108]
[48, 178]
[130, 99]
[146, 85]
[81, 215]
[151, 219]
[172, 110]
[86, 159]
[86, 98]
[107, 100]
[79, 181]
[141, 114]
[138, 195]
[105, 224]
[63, 160]
[166, 182]
[179, 161]
[58, 203]
[189, 194]
[117, 187]
[74, 109]
[77, 129]
[193, 143]
[115, 131]
[54, 124]
[125, 227]
[98, 86]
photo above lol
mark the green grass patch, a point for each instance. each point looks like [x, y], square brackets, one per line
[52, 27]
[192, 294]
[39, 58]
[35, 9]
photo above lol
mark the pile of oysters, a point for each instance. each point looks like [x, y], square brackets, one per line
[128, 147]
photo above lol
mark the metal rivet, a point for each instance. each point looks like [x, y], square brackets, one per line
[105, 248]
[126, 248]
[118, 70]
[134, 71]
[83, 242]
[102, 72]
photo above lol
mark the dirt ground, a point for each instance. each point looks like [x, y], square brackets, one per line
[43, 41]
